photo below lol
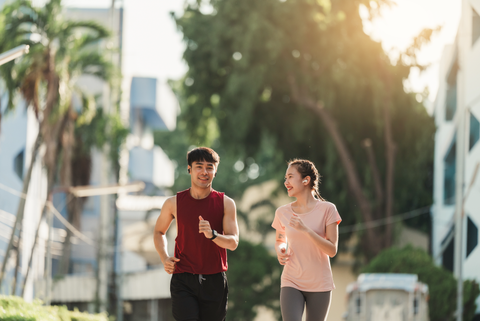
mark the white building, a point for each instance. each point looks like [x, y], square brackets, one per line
[19, 131]
[457, 147]
[147, 104]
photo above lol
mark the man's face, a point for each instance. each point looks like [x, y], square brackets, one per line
[202, 173]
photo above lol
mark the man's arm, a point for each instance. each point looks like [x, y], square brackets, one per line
[229, 239]
[166, 217]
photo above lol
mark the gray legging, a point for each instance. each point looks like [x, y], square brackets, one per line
[293, 301]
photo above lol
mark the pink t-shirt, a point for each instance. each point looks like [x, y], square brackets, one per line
[308, 268]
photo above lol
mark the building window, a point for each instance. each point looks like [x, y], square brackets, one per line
[448, 255]
[449, 176]
[18, 164]
[451, 103]
[474, 130]
[472, 236]
[475, 26]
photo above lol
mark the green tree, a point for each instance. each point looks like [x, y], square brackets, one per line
[302, 76]
[254, 281]
[441, 282]
[60, 52]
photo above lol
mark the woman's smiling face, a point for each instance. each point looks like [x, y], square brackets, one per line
[293, 181]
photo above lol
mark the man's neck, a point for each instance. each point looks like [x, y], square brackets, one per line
[200, 193]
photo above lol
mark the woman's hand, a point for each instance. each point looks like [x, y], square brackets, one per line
[297, 223]
[282, 254]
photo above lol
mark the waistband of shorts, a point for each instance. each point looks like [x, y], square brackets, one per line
[196, 274]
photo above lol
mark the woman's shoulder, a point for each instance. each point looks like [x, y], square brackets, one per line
[328, 205]
[284, 208]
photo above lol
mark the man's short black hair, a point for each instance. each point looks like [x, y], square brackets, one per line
[203, 154]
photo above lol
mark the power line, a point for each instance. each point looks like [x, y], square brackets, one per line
[384, 221]
[52, 208]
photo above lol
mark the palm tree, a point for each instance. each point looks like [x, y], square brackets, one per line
[60, 52]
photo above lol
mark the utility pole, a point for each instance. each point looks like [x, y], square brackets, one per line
[460, 165]
[48, 270]
[116, 97]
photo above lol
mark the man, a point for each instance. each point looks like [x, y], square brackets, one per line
[206, 226]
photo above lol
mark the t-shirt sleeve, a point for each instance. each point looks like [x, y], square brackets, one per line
[277, 224]
[332, 215]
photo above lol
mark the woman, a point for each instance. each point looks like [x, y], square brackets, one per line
[310, 228]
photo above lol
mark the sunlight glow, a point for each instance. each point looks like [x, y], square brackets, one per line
[398, 25]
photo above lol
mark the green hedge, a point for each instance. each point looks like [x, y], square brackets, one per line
[13, 308]
[441, 283]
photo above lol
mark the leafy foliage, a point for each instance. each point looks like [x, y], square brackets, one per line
[61, 51]
[241, 59]
[237, 97]
[441, 282]
[16, 309]
[103, 129]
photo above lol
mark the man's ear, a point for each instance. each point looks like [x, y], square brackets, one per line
[188, 169]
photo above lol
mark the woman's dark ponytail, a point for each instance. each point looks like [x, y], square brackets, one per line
[318, 195]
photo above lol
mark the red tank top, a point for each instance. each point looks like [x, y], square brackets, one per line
[197, 254]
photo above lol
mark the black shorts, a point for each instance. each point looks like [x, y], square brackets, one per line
[197, 297]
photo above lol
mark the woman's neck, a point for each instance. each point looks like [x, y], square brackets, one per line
[305, 200]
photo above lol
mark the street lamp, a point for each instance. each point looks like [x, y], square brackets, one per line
[13, 53]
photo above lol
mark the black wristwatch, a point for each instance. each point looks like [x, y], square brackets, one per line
[214, 235]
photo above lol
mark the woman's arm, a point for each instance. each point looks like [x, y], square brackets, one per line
[281, 247]
[328, 245]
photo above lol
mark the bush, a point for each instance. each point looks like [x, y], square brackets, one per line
[254, 281]
[13, 308]
[441, 283]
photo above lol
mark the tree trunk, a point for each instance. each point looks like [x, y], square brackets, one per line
[390, 152]
[377, 182]
[17, 265]
[66, 179]
[32, 251]
[46, 133]
[372, 246]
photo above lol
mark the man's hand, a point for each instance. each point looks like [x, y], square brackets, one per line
[169, 264]
[204, 227]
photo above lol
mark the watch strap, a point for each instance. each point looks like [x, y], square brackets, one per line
[214, 235]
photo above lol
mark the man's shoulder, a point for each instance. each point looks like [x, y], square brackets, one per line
[226, 197]
[171, 201]
[228, 201]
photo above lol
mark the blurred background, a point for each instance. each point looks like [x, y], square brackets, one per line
[101, 100]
